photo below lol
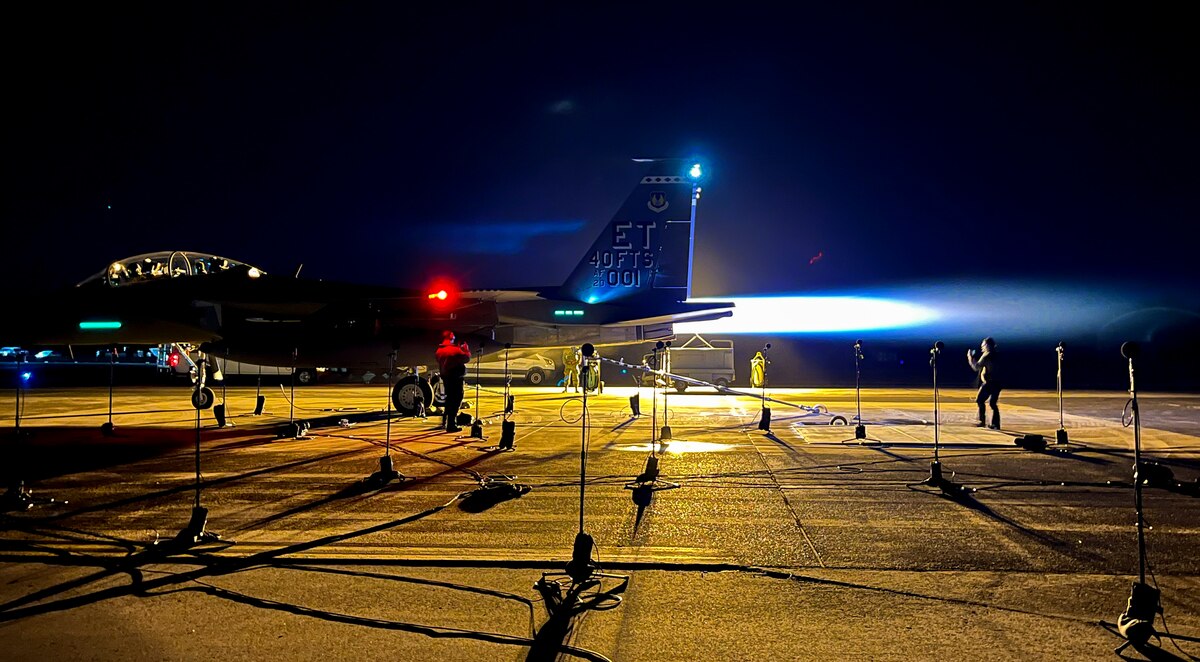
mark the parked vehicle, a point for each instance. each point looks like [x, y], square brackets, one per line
[707, 360]
[535, 369]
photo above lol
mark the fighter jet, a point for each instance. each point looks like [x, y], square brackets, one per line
[631, 286]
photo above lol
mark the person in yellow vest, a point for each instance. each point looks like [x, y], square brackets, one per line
[571, 358]
[758, 370]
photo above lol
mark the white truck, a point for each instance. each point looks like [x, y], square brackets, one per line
[698, 358]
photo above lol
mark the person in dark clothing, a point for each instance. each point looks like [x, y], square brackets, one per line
[452, 362]
[989, 388]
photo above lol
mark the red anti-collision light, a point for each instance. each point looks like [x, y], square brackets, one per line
[440, 295]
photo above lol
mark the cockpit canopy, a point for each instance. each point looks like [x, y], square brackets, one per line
[167, 264]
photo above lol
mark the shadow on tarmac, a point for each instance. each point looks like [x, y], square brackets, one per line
[57, 452]
[956, 493]
[545, 645]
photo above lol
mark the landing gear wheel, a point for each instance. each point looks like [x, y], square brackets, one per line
[406, 392]
[202, 398]
[535, 376]
[838, 420]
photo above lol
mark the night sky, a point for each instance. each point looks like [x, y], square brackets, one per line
[386, 144]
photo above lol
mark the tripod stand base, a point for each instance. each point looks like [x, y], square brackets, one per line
[195, 532]
[938, 479]
[664, 434]
[1136, 624]
[477, 430]
[219, 415]
[107, 430]
[860, 432]
[764, 421]
[386, 473]
[1060, 437]
[650, 473]
[508, 433]
[580, 567]
[935, 478]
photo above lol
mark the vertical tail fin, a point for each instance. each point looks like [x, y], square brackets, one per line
[645, 251]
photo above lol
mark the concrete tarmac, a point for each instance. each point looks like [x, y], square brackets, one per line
[798, 543]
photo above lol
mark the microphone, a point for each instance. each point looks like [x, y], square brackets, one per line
[1130, 350]
[588, 349]
[858, 345]
[937, 347]
[659, 345]
[767, 346]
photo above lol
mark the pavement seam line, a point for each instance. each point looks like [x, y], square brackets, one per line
[779, 488]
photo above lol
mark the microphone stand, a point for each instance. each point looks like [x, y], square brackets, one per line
[565, 589]
[764, 421]
[935, 467]
[860, 430]
[107, 429]
[259, 399]
[508, 428]
[221, 411]
[292, 394]
[509, 400]
[1136, 624]
[477, 426]
[583, 443]
[648, 482]
[936, 479]
[1061, 434]
[298, 429]
[196, 532]
[387, 472]
[16, 497]
[665, 433]
[654, 399]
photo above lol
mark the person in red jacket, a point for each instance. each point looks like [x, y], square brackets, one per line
[452, 363]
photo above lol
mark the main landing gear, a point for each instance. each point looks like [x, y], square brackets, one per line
[413, 394]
